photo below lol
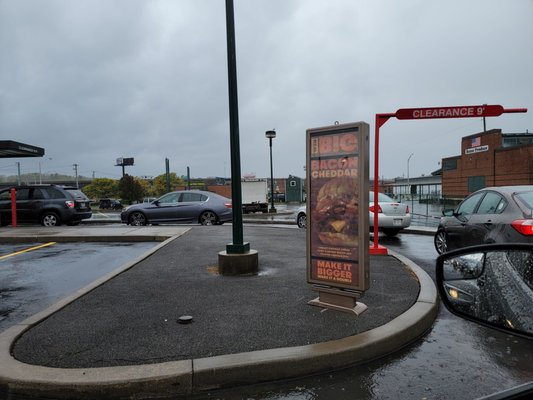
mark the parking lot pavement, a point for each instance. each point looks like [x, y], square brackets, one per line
[244, 330]
[96, 233]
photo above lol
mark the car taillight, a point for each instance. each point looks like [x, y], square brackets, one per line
[70, 203]
[523, 226]
[407, 210]
[228, 205]
[373, 209]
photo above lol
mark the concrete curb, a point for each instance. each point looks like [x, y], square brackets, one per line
[94, 234]
[190, 376]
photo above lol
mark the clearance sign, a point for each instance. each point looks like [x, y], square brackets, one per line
[337, 201]
[450, 112]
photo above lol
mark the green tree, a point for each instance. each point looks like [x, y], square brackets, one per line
[159, 185]
[131, 189]
[101, 188]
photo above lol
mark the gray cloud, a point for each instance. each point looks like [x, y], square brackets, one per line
[91, 81]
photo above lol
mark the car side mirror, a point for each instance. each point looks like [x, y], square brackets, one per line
[155, 202]
[447, 212]
[491, 285]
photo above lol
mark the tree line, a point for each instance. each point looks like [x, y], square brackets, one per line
[131, 189]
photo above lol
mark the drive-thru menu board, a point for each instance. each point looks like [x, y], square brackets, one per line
[337, 206]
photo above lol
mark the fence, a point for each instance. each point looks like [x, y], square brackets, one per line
[426, 209]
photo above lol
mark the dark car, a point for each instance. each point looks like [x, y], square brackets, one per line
[49, 205]
[505, 299]
[110, 204]
[194, 206]
[491, 215]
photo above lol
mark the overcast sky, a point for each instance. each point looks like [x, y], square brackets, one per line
[94, 80]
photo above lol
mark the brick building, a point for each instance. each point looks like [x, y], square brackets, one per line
[488, 158]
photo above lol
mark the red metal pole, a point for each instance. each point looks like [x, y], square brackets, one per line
[376, 177]
[380, 120]
[13, 207]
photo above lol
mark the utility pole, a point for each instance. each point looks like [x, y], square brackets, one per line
[167, 174]
[484, 122]
[76, 172]
[408, 186]
[18, 173]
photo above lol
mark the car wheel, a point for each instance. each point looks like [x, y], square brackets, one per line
[137, 218]
[302, 220]
[390, 232]
[441, 243]
[50, 218]
[208, 218]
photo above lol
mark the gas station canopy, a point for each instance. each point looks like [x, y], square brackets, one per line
[12, 149]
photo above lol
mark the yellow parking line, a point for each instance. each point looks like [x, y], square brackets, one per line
[26, 250]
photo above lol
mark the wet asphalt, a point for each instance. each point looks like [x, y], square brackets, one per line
[132, 319]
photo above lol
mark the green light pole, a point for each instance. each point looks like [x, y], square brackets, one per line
[271, 135]
[238, 246]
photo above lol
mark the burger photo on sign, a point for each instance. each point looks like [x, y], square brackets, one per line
[335, 215]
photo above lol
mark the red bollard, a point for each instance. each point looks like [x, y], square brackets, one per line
[13, 207]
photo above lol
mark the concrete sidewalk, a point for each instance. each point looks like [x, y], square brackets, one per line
[119, 337]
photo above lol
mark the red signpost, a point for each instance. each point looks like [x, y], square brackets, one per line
[427, 113]
[13, 192]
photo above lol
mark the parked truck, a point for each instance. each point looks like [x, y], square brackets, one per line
[254, 195]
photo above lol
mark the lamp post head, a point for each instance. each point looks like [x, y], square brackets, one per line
[270, 134]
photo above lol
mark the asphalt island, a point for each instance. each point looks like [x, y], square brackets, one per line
[122, 337]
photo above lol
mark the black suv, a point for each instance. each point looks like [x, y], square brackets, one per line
[49, 205]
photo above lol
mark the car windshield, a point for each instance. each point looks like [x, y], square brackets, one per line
[382, 198]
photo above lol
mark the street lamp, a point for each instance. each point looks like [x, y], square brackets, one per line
[271, 135]
[409, 159]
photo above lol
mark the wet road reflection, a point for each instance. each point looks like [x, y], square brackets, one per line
[455, 360]
[33, 280]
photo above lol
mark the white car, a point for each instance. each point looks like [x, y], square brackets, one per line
[392, 216]
[301, 217]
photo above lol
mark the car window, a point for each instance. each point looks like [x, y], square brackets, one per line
[169, 198]
[523, 263]
[527, 198]
[23, 194]
[193, 197]
[5, 195]
[54, 193]
[468, 206]
[77, 194]
[37, 194]
[492, 203]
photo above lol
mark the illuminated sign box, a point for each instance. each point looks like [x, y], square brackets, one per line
[337, 208]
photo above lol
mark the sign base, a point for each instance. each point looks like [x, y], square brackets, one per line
[378, 251]
[338, 300]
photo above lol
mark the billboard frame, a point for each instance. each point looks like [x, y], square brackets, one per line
[337, 159]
